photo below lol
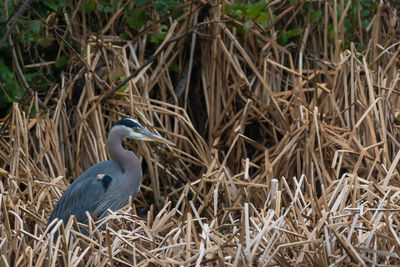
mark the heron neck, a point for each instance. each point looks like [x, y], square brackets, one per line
[127, 159]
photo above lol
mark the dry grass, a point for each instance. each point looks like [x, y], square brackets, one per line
[281, 158]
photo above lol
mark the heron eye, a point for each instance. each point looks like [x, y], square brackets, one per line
[135, 129]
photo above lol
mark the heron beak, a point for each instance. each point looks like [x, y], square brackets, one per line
[149, 136]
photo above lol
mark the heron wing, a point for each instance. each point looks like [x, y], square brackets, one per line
[83, 194]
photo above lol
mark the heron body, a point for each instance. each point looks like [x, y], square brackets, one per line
[108, 184]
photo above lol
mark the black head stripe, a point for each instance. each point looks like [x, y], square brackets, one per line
[106, 181]
[130, 123]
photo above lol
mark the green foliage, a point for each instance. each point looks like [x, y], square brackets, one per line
[32, 32]
[50, 4]
[136, 18]
[10, 89]
[175, 67]
[157, 38]
[286, 35]
[30, 36]
[61, 61]
[247, 25]
[54, 5]
[90, 5]
[316, 15]
[37, 32]
[105, 6]
[367, 10]
[163, 6]
[309, 13]
[139, 3]
[254, 11]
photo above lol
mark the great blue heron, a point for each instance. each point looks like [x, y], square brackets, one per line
[108, 184]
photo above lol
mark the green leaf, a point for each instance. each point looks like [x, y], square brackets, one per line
[104, 6]
[331, 32]
[262, 17]
[316, 15]
[35, 28]
[286, 35]
[10, 89]
[90, 5]
[157, 38]
[175, 67]
[265, 24]
[294, 32]
[136, 21]
[139, 3]
[365, 13]
[30, 76]
[247, 25]
[237, 14]
[365, 23]
[61, 61]
[283, 39]
[254, 10]
[124, 36]
[50, 4]
[117, 75]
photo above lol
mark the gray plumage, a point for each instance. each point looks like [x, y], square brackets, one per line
[108, 184]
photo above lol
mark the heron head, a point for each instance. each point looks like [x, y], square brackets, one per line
[136, 131]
